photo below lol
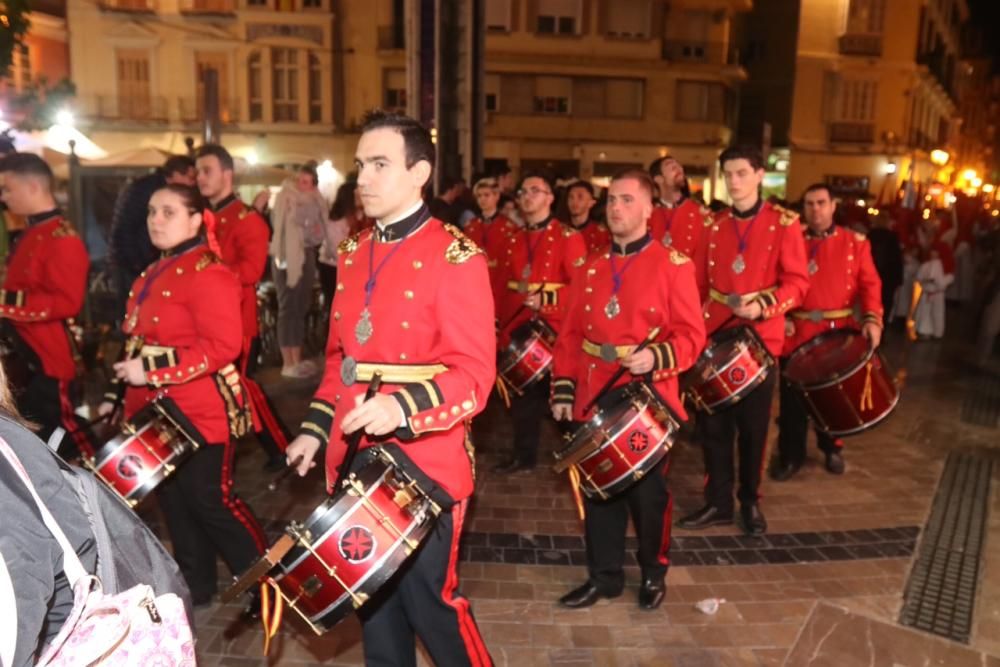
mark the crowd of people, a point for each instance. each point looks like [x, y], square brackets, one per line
[626, 286]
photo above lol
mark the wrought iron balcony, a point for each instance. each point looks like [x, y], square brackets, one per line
[843, 132]
[861, 44]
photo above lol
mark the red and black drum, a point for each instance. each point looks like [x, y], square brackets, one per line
[528, 357]
[846, 385]
[353, 543]
[146, 451]
[734, 362]
[621, 443]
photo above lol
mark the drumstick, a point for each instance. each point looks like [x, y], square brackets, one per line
[281, 476]
[653, 333]
[521, 309]
[354, 439]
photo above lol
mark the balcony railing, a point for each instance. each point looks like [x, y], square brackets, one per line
[852, 133]
[858, 44]
[214, 7]
[127, 5]
[709, 53]
[148, 109]
[192, 110]
[391, 38]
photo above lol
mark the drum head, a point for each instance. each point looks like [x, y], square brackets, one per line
[827, 357]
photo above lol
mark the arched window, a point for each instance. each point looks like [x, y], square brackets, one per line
[285, 84]
[255, 93]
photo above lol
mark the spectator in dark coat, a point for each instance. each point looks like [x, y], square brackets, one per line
[888, 258]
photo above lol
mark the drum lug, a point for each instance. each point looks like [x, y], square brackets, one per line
[359, 599]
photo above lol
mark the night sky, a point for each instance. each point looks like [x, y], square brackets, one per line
[986, 13]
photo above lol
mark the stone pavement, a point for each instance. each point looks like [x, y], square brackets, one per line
[824, 587]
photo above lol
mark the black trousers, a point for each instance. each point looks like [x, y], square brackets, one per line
[423, 601]
[527, 412]
[746, 423]
[205, 517]
[605, 522]
[271, 433]
[48, 402]
[793, 426]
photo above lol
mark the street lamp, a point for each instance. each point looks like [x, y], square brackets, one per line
[890, 168]
[940, 157]
[64, 117]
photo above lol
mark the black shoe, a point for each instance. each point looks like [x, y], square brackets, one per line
[251, 612]
[781, 472]
[513, 466]
[754, 522]
[835, 463]
[584, 596]
[276, 464]
[709, 515]
[651, 593]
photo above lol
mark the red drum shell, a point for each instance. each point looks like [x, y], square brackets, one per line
[620, 445]
[846, 386]
[528, 356]
[734, 362]
[364, 533]
[147, 450]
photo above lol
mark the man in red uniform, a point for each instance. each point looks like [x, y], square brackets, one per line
[580, 200]
[491, 229]
[540, 261]
[413, 303]
[751, 269]
[622, 295]
[841, 275]
[677, 220]
[244, 238]
[42, 292]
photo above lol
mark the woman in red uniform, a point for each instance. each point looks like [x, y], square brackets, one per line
[184, 309]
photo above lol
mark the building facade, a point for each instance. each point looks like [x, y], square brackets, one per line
[42, 57]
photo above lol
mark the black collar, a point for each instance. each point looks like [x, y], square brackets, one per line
[183, 246]
[403, 228]
[631, 248]
[586, 222]
[829, 231]
[743, 215]
[538, 225]
[487, 219]
[45, 216]
[226, 201]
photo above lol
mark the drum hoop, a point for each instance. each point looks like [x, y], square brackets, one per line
[837, 377]
[737, 396]
[121, 444]
[658, 448]
[871, 424]
[521, 353]
[571, 449]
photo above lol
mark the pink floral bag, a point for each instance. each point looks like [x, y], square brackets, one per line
[133, 628]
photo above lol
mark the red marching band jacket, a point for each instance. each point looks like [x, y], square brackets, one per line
[491, 236]
[771, 269]
[844, 287]
[557, 254]
[595, 235]
[44, 287]
[185, 311]
[428, 327]
[682, 226]
[658, 290]
[243, 239]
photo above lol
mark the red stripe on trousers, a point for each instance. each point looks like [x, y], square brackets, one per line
[68, 419]
[474, 646]
[668, 515]
[260, 409]
[236, 506]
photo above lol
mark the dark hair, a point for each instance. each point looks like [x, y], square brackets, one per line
[502, 170]
[311, 170]
[177, 164]
[343, 202]
[583, 185]
[416, 139]
[742, 152]
[448, 182]
[816, 187]
[645, 182]
[27, 164]
[190, 195]
[220, 153]
[7, 142]
[656, 167]
[544, 175]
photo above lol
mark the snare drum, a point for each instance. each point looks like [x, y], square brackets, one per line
[528, 356]
[353, 543]
[147, 450]
[621, 443]
[846, 386]
[733, 364]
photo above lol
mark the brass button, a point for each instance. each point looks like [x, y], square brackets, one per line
[405, 324]
[417, 264]
[408, 294]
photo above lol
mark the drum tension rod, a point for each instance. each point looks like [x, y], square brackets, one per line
[380, 516]
[356, 598]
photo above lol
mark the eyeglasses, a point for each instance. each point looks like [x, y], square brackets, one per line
[523, 192]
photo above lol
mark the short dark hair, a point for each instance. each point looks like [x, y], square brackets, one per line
[448, 182]
[635, 174]
[28, 164]
[343, 201]
[742, 152]
[544, 175]
[583, 185]
[815, 187]
[177, 164]
[311, 170]
[416, 138]
[502, 170]
[220, 153]
[189, 194]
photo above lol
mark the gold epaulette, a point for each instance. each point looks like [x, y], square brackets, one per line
[787, 215]
[706, 216]
[462, 248]
[348, 245]
[207, 259]
[678, 258]
[63, 229]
